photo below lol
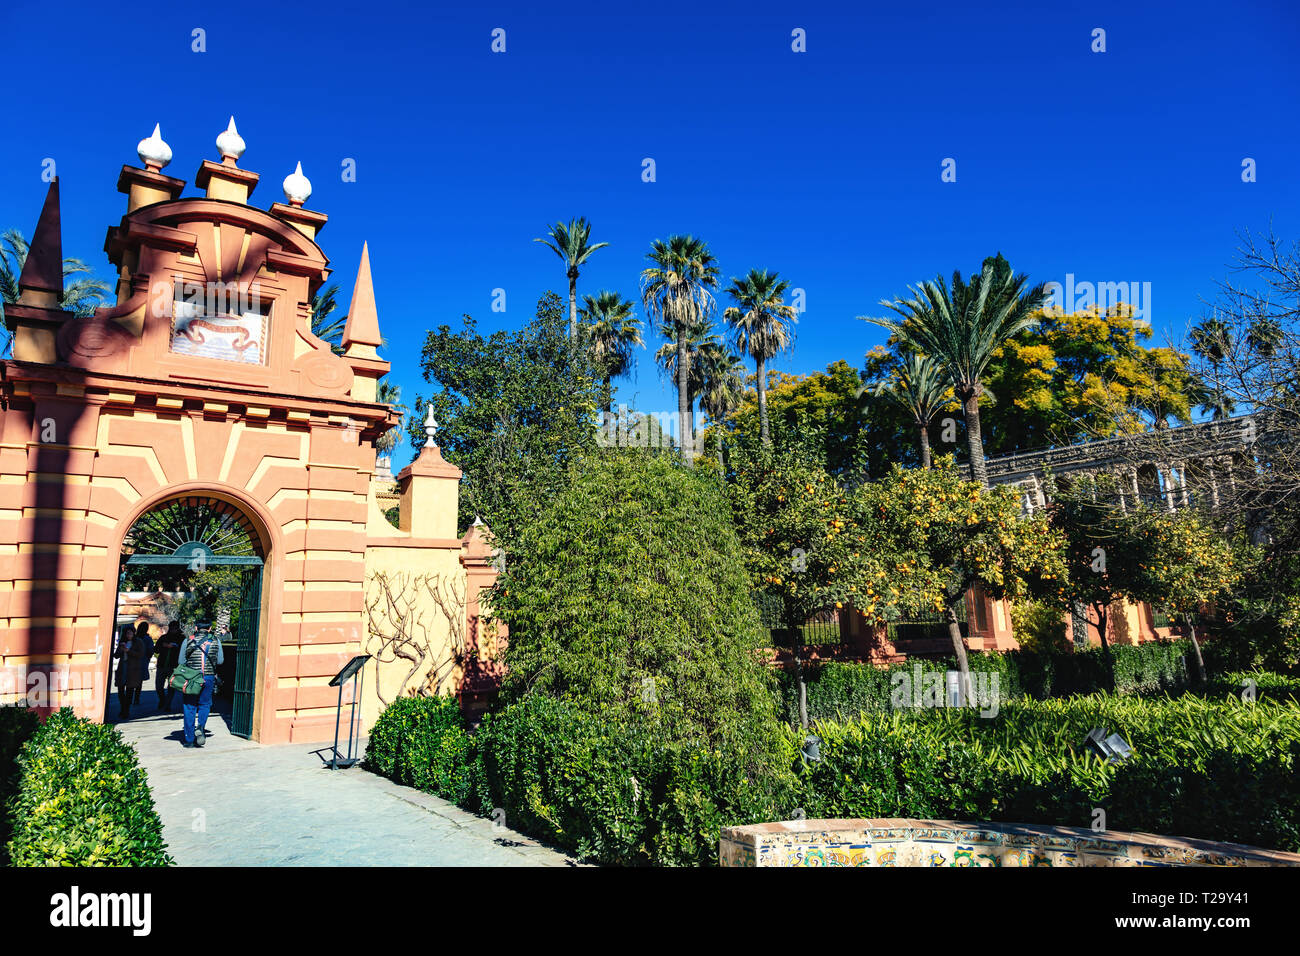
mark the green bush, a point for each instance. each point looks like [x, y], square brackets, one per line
[1217, 770]
[607, 792]
[17, 724]
[82, 800]
[422, 742]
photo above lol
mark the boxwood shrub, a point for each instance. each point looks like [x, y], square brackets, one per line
[82, 799]
[17, 724]
[422, 742]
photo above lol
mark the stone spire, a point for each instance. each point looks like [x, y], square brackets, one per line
[41, 281]
[362, 326]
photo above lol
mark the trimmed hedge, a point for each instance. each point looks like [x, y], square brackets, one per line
[422, 742]
[607, 792]
[17, 724]
[1213, 769]
[82, 799]
[843, 691]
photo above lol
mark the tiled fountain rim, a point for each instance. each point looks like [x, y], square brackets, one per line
[758, 834]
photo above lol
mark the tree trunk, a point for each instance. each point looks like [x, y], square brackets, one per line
[803, 688]
[974, 440]
[1196, 647]
[609, 396]
[761, 382]
[573, 303]
[1105, 644]
[683, 398]
[923, 435]
[959, 648]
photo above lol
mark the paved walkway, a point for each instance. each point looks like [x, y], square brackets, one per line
[236, 803]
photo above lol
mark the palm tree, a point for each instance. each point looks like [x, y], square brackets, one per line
[610, 332]
[961, 328]
[82, 292]
[569, 242]
[676, 290]
[721, 388]
[1264, 336]
[390, 394]
[1211, 339]
[761, 323]
[922, 389]
[324, 325]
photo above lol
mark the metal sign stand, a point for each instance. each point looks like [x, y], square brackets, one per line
[351, 670]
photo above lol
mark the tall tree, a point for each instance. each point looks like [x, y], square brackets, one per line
[82, 292]
[513, 410]
[761, 322]
[677, 290]
[1211, 341]
[961, 328]
[569, 242]
[610, 332]
[922, 389]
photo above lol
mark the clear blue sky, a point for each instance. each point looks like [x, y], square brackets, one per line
[824, 165]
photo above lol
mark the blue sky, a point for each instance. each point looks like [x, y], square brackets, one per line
[823, 165]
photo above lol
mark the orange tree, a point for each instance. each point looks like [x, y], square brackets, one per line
[945, 535]
[1100, 545]
[1179, 563]
[804, 545]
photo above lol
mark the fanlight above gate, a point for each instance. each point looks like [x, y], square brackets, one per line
[194, 531]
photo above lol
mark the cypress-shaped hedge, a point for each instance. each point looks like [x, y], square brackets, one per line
[81, 798]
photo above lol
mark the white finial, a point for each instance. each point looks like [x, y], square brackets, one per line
[297, 187]
[430, 423]
[230, 143]
[153, 152]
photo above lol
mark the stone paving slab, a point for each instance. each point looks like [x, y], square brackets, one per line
[237, 803]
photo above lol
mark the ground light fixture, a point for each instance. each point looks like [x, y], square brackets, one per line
[1113, 748]
[811, 751]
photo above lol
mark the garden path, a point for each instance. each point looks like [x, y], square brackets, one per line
[237, 803]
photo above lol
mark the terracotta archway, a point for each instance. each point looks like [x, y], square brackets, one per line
[260, 524]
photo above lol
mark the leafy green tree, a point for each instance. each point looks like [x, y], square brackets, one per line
[513, 410]
[961, 328]
[1211, 341]
[611, 332]
[82, 292]
[922, 389]
[569, 241]
[762, 325]
[628, 595]
[676, 290]
[828, 416]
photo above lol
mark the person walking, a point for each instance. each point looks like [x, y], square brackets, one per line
[203, 653]
[146, 651]
[131, 663]
[168, 653]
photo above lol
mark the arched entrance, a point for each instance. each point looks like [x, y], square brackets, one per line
[198, 558]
